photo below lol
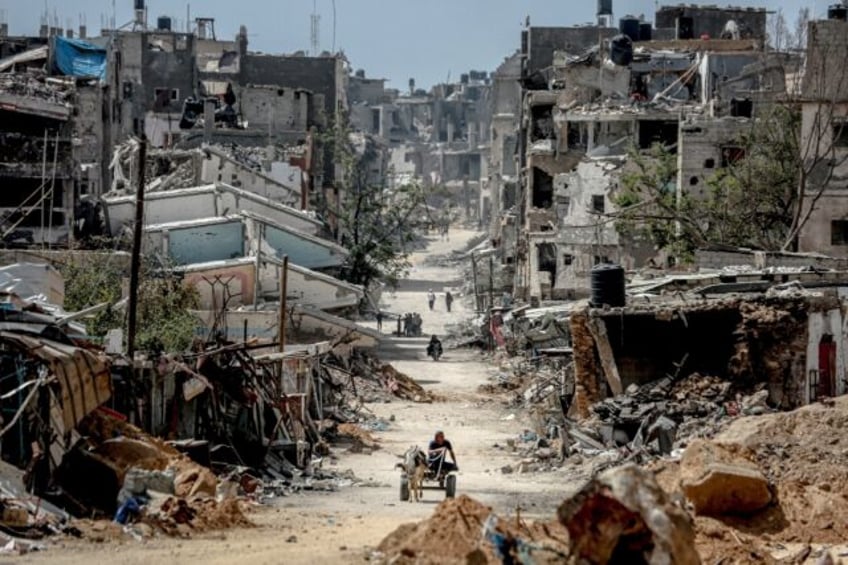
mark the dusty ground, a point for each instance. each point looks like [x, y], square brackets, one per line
[338, 527]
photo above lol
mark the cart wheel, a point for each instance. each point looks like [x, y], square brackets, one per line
[450, 486]
[404, 489]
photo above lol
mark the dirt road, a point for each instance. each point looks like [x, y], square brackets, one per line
[337, 527]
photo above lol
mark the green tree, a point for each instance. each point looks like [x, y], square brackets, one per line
[750, 202]
[377, 223]
[164, 320]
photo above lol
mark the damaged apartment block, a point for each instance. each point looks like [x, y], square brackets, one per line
[52, 161]
[592, 96]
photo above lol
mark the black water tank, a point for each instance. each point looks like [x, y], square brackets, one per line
[138, 4]
[621, 50]
[604, 8]
[646, 31]
[629, 26]
[837, 12]
[608, 286]
[685, 27]
[163, 23]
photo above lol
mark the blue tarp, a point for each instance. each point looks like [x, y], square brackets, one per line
[73, 57]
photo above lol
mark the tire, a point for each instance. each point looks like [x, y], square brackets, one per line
[404, 489]
[450, 486]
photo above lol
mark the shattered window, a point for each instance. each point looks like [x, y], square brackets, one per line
[839, 232]
[731, 154]
[598, 205]
[840, 134]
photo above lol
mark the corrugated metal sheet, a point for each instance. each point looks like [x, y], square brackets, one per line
[84, 379]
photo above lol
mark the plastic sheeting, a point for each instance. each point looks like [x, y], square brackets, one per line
[73, 57]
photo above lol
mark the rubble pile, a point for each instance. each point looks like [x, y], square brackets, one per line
[362, 377]
[183, 517]
[625, 515]
[463, 530]
[769, 488]
[50, 89]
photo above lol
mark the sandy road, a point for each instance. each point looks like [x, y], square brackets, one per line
[338, 527]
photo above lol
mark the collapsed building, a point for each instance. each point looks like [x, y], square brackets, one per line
[55, 147]
[437, 138]
[589, 98]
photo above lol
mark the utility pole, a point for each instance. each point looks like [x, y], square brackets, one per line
[284, 284]
[491, 302]
[474, 275]
[135, 265]
[491, 282]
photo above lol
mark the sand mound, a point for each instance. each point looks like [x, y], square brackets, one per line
[181, 517]
[804, 454]
[454, 534]
[359, 437]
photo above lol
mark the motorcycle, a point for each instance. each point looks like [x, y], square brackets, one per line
[434, 351]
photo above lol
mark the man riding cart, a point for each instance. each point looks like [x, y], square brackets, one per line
[439, 469]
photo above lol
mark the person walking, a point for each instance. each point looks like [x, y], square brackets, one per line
[431, 299]
[448, 300]
[379, 321]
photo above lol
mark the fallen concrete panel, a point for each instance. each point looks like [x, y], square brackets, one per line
[34, 107]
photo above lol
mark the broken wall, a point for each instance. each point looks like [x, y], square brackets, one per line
[711, 20]
[776, 342]
[274, 109]
[705, 147]
[218, 167]
[826, 230]
[543, 41]
[155, 72]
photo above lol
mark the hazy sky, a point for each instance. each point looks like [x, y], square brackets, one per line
[393, 39]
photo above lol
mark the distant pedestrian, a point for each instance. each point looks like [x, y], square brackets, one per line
[431, 299]
[379, 321]
[448, 300]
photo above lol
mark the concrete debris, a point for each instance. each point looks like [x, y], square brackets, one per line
[468, 532]
[624, 516]
[362, 377]
[718, 483]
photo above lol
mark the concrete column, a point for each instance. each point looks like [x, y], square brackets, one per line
[450, 131]
[590, 140]
[208, 119]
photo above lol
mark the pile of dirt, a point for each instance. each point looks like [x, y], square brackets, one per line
[454, 534]
[358, 437]
[183, 518]
[803, 454]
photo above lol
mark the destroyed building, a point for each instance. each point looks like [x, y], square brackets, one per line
[791, 346]
[713, 22]
[824, 138]
[438, 138]
[590, 97]
[55, 138]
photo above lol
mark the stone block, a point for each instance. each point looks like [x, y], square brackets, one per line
[718, 482]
